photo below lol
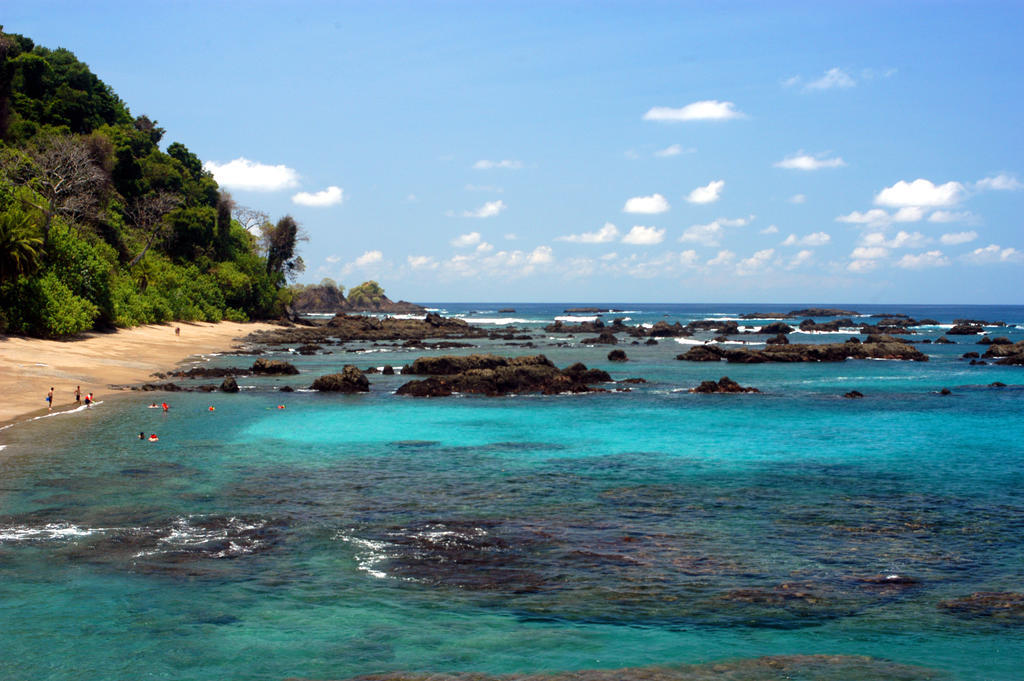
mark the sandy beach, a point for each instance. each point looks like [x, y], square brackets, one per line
[29, 367]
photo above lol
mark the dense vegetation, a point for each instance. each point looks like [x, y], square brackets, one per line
[100, 227]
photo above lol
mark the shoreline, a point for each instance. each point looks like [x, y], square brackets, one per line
[98, 361]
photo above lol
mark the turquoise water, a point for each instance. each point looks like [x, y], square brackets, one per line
[345, 535]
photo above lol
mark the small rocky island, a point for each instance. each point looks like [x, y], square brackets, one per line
[327, 297]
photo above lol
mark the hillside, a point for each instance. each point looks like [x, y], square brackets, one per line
[100, 226]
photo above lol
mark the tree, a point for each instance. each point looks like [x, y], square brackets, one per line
[147, 214]
[20, 248]
[251, 219]
[280, 241]
[62, 171]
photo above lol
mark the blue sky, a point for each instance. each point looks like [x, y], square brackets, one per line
[608, 151]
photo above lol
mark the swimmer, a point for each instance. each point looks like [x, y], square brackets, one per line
[210, 408]
[142, 436]
[154, 406]
[153, 438]
[280, 406]
[164, 405]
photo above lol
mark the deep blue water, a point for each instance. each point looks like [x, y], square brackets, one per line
[344, 535]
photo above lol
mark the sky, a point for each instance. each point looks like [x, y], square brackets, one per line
[860, 152]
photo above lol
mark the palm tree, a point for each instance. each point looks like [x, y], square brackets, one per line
[20, 249]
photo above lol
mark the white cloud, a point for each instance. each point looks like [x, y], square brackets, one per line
[736, 222]
[331, 196]
[369, 258]
[464, 240]
[862, 265]
[902, 239]
[422, 262]
[602, 236]
[958, 238]
[923, 260]
[672, 150]
[951, 216]
[770, 229]
[920, 192]
[488, 210]
[802, 161]
[511, 236]
[488, 165]
[876, 217]
[708, 235]
[798, 198]
[484, 188]
[754, 263]
[542, 255]
[707, 110]
[908, 214]
[835, 77]
[709, 193]
[724, 257]
[994, 254]
[1001, 182]
[813, 239]
[655, 203]
[688, 258]
[333, 259]
[484, 247]
[800, 258]
[644, 236]
[247, 175]
[869, 253]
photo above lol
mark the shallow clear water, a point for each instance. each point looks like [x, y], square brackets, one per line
[351, 534]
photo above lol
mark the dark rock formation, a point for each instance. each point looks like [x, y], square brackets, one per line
[606, 338]
[970, 355]
[724, 385]
[875, 347]
[945, 391]
[650, 341]
[506, 310]
[350, 380]
[205, 372]
[944, 341]
[853, 394]
[286, 389]
[779, 339]
[834, 325]
[273, 367]
[308, 349]
[493, 375]
[388, 370]
[1012, 354]
[977, 322]
[776, 327]
[229, 385]
[617, 356]
[965, 330]
[822, 312]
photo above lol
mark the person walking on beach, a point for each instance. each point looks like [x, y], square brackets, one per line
[49, 400]
[177, 331]
[78, 394]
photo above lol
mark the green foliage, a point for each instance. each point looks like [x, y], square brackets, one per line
[20, 245]
[367, 293]
[110, 264]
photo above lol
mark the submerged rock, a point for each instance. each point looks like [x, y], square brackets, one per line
[1005, 606]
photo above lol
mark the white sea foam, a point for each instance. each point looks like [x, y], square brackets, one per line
[48, 532]
[75, 410]
[371, 554]
[497, 320]
[844, 331]
[575, 318]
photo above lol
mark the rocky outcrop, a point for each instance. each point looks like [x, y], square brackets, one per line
[779, 339]
[1007, 354]
[350, 380]
[834, 325]
[776, 328]
[853, 395]
[942, 340]
[875, 347]
[822, 312]
[606, 338]
[493, 375]
[724, 385]
[965, 330]
[229, 385]
[617, 356]
[273, 367]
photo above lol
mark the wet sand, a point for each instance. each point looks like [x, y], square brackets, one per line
[29, 367]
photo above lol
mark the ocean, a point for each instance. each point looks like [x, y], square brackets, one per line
[326, 536]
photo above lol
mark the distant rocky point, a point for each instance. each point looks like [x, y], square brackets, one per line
[328, 297]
